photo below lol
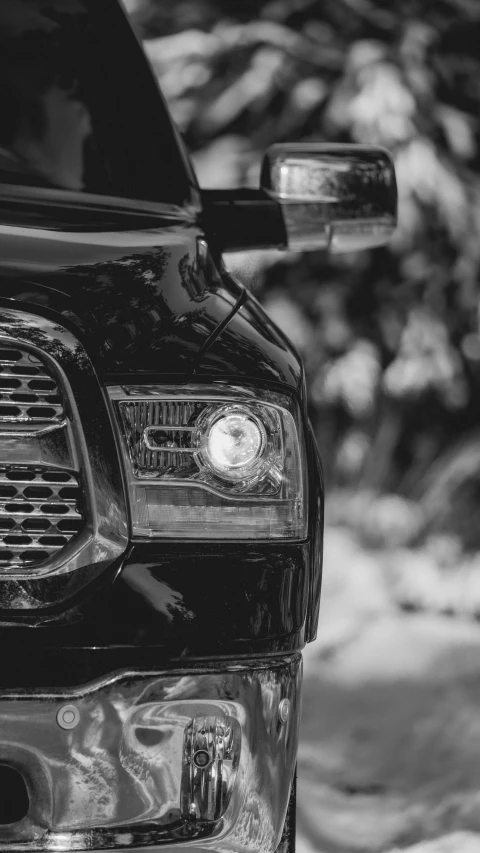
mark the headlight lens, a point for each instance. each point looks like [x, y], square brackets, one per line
[212, 463]
[232, 443]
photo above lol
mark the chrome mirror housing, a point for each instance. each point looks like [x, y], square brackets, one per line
[337, 197]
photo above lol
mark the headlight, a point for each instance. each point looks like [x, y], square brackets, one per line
[212, 463]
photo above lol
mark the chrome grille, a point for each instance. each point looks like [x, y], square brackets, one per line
[40, 512]
[28, 391]
[58, 437]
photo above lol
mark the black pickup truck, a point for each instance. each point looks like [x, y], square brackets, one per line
[161, 496]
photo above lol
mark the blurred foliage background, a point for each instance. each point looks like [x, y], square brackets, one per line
[390, 337]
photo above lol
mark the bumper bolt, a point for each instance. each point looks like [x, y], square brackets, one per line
[284, 710]
[68, 717]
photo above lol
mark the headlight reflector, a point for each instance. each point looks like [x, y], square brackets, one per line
[212, 462]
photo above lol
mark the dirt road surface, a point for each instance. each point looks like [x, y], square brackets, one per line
[390, 747]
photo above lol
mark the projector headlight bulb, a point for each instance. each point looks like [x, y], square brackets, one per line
[232, 443]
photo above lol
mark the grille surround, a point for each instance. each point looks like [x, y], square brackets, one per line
[82, 442]
[34, 500]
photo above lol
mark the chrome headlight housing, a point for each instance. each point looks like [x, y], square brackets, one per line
[212, 462]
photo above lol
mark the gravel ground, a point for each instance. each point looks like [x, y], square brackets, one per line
[390, 750]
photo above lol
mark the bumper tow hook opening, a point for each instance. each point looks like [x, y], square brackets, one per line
[14, 800]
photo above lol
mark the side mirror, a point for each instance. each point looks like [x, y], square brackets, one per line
[337, 197]
[312, 196]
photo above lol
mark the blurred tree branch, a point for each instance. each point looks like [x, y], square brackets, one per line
[391, 339]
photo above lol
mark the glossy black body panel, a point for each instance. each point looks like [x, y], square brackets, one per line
[197, 600]
[240, 219]
[139, 301]
[149, 302]
[153, 305]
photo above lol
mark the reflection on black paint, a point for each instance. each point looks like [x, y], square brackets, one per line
[192, 279]
[167, 601]
[126, 300]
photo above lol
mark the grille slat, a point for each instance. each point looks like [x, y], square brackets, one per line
[12, 510]
[11, 514]
[53, 479]
[51, 529]
[28, 392]
[29, 526]
[41, 509]
[36, 543]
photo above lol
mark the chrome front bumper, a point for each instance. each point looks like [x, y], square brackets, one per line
[204, 758]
